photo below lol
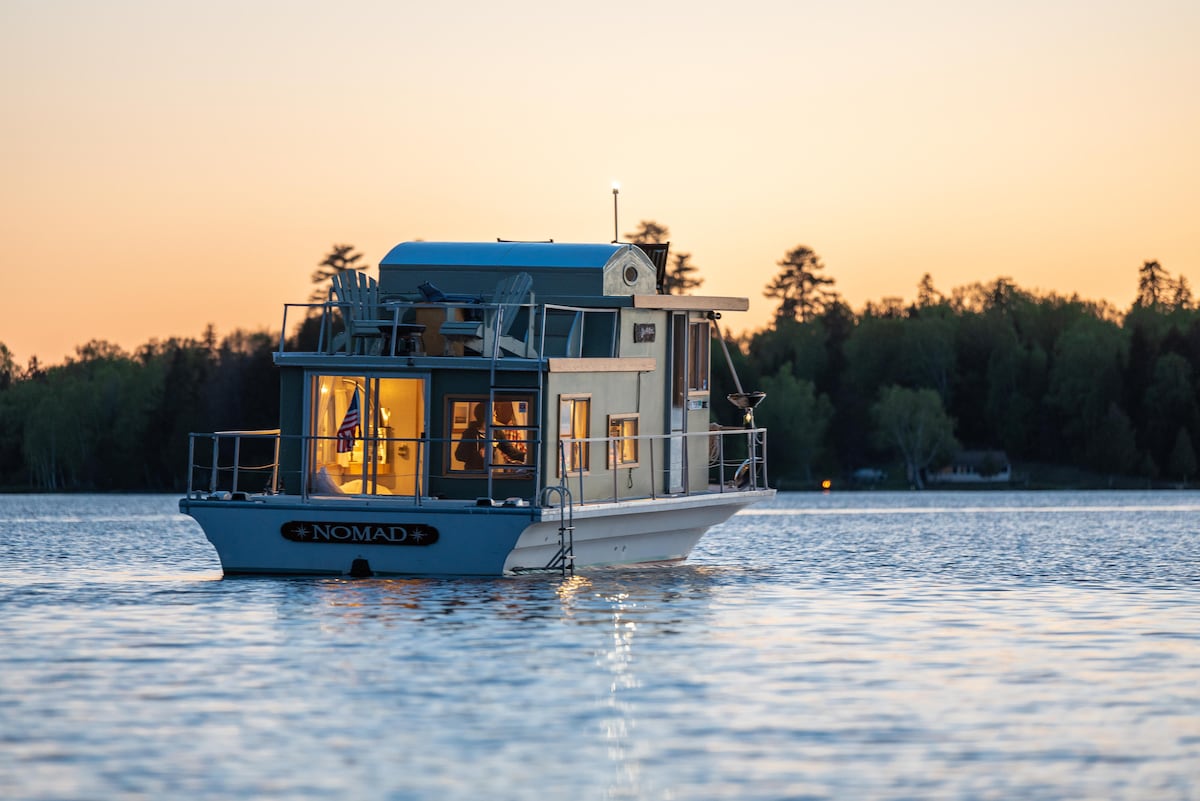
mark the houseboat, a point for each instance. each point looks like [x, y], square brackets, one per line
[485, 409]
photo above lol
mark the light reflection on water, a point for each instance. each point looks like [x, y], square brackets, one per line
[1005, 645]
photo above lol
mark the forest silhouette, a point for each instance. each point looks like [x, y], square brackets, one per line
[1063, 386]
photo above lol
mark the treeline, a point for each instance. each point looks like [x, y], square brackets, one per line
[110, 420]
[1045, 378]
[107, 420]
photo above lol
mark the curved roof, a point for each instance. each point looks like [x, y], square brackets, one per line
[503, 254]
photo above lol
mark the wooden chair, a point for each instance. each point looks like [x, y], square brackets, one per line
[358, 299]
[501, 318]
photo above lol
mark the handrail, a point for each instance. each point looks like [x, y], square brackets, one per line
[214, 469]
[749, 473]
[732, 473]
[334, 316]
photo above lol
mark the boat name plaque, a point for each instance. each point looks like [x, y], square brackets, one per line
[359, 533]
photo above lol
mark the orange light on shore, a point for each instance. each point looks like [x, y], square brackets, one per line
[826, 484]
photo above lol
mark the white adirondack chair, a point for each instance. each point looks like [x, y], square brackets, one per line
[500, 318]
[357, 296]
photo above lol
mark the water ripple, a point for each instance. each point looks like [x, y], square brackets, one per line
[955, 646]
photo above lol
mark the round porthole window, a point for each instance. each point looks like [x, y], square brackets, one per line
[631, 275]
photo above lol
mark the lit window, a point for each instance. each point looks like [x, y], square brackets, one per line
[574, 413]
[365, 434]
[470, 451]
[623, 444]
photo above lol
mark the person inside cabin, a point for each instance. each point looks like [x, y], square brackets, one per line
[510, 448]
[508, 442]
[470, 448]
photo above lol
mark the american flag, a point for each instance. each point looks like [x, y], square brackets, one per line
[348, 430]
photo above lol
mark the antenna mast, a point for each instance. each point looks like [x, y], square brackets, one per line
[616, 190]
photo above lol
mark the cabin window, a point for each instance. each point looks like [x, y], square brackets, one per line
[366, 434]
[622, 445]
[575, 333]
[471, 449]
[699, 345]
[574, 416]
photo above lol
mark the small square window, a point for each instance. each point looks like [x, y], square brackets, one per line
[622, 444]
[508, 450]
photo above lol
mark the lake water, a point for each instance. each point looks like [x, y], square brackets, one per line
[844, 646]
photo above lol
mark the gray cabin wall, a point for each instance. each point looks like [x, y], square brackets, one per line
[613, 394]
[642, 333]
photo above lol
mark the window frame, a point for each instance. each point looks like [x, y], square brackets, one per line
[699, 357]
[454, 428]
[616, 447]
[578, 454]
[377, 450]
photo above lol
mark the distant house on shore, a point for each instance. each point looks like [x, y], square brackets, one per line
[974, 467]
[868, 475]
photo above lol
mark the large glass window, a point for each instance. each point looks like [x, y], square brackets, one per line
[574, 423]
[623, 445]
[366, 435]
[506, 444]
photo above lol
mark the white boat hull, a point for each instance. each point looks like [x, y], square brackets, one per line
[630, 532]
[347, 536]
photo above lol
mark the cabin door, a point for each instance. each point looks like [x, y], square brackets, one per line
[677, 422]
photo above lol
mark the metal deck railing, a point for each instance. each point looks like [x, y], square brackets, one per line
[549, 330]
[246, 463]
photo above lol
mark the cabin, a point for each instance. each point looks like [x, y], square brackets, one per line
[490, 371]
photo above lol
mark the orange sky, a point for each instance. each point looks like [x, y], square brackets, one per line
[168, 165]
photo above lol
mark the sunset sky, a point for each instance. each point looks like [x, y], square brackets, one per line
[172, 164]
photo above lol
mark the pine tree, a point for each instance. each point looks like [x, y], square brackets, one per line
[679, 277]
[339, 260]
[1153, 285]
[802, 291]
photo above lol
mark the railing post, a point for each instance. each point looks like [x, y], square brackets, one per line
[687, 457]
[721, 459]
[578, 458]
[612, 464]
[275, 466]
[419, 471]
[237, 460]
[764, 461]
[653, 474]
[308, 452]
[191, 462]
[283, 329]
[212, 481]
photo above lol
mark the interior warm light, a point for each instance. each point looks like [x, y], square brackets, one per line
[826, 484]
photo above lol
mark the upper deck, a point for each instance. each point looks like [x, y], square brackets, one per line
[532, 301]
